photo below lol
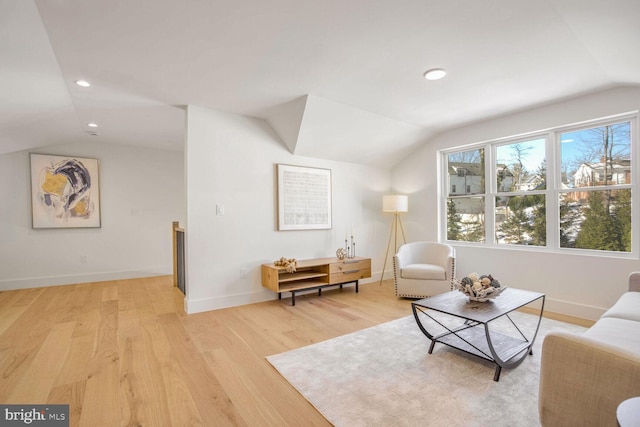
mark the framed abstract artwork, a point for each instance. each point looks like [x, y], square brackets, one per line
[65, 192]
[304, 198]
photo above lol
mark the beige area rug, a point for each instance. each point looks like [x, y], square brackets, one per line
[383, 376]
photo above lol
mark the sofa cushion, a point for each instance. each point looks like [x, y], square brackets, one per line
[627, 307]
[423, 272]
[621, 333]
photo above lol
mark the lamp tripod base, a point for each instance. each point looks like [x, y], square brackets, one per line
[393, 235]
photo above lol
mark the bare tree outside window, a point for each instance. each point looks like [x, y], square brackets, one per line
[596, 213]
[520, 215]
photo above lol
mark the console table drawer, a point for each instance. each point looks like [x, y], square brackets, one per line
[349, 276]
[346, 271]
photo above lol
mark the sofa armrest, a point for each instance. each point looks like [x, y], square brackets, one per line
[582, 381]
[634, 281]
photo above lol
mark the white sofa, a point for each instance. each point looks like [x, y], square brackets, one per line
[423, 269]
[583, 378]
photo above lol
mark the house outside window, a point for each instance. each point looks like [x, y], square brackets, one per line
[465, 171]
[566, 189]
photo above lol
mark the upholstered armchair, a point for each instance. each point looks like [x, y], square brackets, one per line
[424, 269]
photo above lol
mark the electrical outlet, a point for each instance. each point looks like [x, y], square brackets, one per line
[243, 272]
[84, 259]
[219, 209]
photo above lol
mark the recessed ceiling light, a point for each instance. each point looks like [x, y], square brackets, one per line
[435, 74]
[92, 125]
[83, 83]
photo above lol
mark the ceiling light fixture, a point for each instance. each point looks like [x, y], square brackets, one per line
[82, 83]
[435, 74]
[92, 125]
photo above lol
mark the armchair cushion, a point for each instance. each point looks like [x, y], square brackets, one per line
[423, 272]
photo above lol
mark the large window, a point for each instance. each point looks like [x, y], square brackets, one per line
[567, 189]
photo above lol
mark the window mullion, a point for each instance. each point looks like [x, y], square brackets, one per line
[489, 190]
[635, 200]
[554, 185]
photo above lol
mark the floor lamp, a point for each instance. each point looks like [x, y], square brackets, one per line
[397, 204]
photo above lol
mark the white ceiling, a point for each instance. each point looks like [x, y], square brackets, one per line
[337, 79]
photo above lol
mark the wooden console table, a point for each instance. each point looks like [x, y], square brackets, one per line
[315, 274]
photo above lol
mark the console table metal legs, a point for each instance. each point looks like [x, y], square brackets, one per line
[293, 293]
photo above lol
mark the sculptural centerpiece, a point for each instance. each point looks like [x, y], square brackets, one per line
[479, 287]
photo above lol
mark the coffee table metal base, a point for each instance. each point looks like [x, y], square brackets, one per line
[476, 337]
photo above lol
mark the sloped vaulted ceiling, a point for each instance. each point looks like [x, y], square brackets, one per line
[316, 127]
[335, 79]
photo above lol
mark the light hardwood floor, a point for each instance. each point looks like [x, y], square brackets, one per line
[125, 353]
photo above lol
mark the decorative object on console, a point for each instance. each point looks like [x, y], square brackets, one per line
[396, 203]
[289, 264]
[350, 250]
[479, 287]
[341, 253]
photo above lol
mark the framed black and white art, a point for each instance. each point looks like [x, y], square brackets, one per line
[304, 198]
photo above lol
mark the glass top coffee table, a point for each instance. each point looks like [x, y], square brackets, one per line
[474, 335]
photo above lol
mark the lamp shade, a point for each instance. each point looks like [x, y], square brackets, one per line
[395, 203]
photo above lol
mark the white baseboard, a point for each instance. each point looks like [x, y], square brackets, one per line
[70, 279]
[572, 309]
[192, 306]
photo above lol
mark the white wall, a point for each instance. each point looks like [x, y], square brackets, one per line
[231, 160]
[142, 192]
[582, 286]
